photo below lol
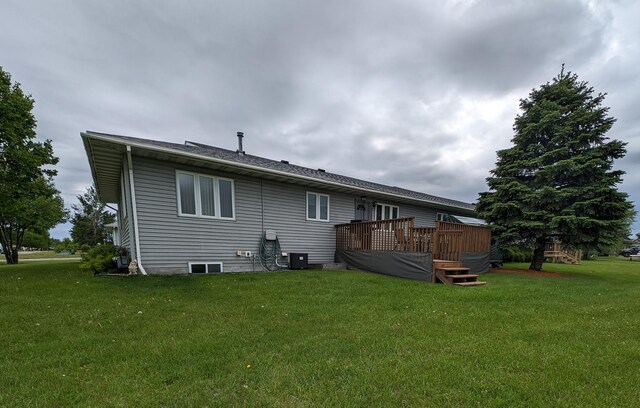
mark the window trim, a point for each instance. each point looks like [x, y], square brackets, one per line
[198, 198]
[444, 217]
[306, 209]
[206, 265]
[391, 207]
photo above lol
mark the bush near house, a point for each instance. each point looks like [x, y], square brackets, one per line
[101, 259]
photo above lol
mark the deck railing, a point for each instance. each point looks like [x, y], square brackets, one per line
[373, 235]
[445, 241]
[559, 253]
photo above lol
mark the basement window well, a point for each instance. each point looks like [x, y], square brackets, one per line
[205, 267]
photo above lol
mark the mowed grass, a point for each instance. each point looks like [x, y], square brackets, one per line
[319, 338]
[42, 254]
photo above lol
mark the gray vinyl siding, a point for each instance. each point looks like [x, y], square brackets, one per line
[285, 209]
[425, 217]
[168, 241]
[126, 239]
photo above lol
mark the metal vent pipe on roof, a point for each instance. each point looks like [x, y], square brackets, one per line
[240, 136]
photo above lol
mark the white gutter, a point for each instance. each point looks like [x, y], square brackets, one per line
[135, 212]
[262, 169]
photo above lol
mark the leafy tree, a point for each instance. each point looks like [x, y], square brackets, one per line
[66, 245]
[28, 197]
[34, 240]
[90, 219]
[557, 182]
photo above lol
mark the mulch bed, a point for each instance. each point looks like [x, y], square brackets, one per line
[529, 273]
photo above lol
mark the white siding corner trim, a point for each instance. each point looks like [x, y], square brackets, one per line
[136, 230]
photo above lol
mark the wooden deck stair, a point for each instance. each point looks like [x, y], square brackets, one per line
[453, 273]
[558, 253]
[562, 257]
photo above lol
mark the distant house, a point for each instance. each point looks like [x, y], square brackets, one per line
[187, 208]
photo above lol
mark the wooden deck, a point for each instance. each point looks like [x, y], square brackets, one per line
[446, 241]
[559, 253]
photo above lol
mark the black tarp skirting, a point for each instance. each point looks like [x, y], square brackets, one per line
[401, 264]
[416, 266]
[476, 262]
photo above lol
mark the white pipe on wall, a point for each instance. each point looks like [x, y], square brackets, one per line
[135, 212]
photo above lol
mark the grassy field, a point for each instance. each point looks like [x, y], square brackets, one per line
[319, 338]
[43, 254]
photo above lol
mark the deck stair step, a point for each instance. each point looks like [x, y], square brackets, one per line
[457, 275]
[460, 269]
[474, 283]
[463, 276]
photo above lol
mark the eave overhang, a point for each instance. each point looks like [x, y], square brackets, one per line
[106, 156]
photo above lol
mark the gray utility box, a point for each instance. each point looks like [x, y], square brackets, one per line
[298, 261]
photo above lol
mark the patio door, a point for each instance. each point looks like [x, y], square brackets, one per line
[386, 212]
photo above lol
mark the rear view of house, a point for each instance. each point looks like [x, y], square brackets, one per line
[193, 208]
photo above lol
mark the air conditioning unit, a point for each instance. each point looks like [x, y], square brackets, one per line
[298, 261]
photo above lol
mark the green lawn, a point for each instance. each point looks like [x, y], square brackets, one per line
[43, 254]
[319, 338]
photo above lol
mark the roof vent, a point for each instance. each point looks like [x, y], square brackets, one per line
[321, 170]
[284, 161]
[240, 136]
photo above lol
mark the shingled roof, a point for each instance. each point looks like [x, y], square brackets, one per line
[231, 156]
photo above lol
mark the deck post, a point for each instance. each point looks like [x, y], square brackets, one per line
[436, 242]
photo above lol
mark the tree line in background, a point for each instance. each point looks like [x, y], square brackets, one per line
[88, 229]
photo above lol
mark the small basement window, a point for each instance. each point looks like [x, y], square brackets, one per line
[205, 267]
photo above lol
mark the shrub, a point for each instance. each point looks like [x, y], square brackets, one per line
[102, 259]
[66, 246]
[517, 254]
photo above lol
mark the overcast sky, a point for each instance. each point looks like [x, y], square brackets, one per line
[418, 94]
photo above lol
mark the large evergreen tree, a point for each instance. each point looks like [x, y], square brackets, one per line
[557, 181]
[28, 198]
[89, 219]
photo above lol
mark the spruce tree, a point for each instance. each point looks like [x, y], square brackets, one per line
[557, 181]
[89, 219]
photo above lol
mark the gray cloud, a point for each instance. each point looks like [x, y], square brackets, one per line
[408, 93]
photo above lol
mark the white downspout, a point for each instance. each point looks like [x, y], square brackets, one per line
[135, 212]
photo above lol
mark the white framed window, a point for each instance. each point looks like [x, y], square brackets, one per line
[200, 195]
[385, 212]
[444, 217]
[317, 206]
[205, 267]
